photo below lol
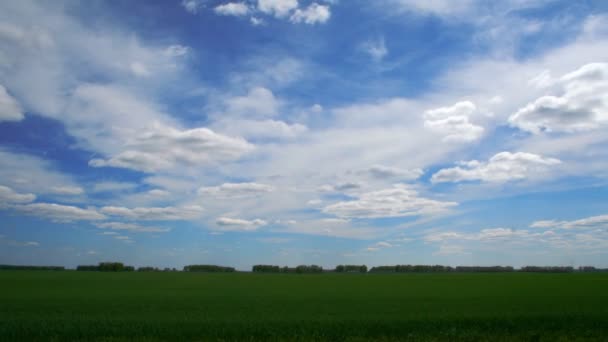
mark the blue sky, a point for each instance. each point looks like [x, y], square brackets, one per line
[287, 132]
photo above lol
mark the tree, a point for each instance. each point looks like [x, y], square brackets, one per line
[208, 268]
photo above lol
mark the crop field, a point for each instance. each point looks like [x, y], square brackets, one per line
[39, 305]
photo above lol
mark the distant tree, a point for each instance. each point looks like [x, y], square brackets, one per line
[309, 269]
[286, 269]
[147, 269]
[31, 268]
[87, 268]
[547, 269]
[487, 269]
[266, 269]
[351, 269]
[383, 269]
[208, 268]
[111, 267]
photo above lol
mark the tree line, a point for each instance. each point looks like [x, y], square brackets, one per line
[31, 268]
[311, 269]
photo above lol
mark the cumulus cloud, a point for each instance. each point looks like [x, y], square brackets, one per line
[132, 227]
[166, 147]
[375, 48]
[60, 213]
[311, 15]
[227, 223]
[593, 222]
[10, 110]
[259, 102]
[236, 9]
[502, 167]
[387, 172]
[155, 213]
[8, 196]
[236, 190]
[453, 122]
[582, 104]
[395, 202]
[193, 6]
[278, 8]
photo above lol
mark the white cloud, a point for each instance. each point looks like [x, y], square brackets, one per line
[259, 102]
[582, 104]
[155, 213]
[166, 148]
[502, 167]
[193, 6]
[443, 236]
[387, 172]
[311, 15]
[329, 227]
[256, 21]
[278, 8]
[256, 129]
[60, 213]
[341, 187]
[232, 8]
[177, 50]
[379, 245]
[234, 224]
[593, 222]
[67, 190]
[123, 238]
[453, 122]
[113, 186]
[26, 173]
[8, 196]
[465, 10]
[485, 235]
[436, 7]
[236, 190]
[139, 69]
[396, 202]
[132, 227]
[10, 110]
[10, 242]
[376, 49]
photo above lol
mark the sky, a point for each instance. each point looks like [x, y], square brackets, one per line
[287, 132]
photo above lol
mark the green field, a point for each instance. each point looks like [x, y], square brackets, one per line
[38, 305]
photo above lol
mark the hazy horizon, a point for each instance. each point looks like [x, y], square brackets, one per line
[288, 132]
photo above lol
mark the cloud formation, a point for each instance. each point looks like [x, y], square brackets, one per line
[10, 110]
[581, 106]
[398, 201]
[453, 122]
[502, 167]
[167, 148]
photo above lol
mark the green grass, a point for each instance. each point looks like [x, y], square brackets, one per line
[37, 305]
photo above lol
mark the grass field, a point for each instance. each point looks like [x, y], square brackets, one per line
[38, 305]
